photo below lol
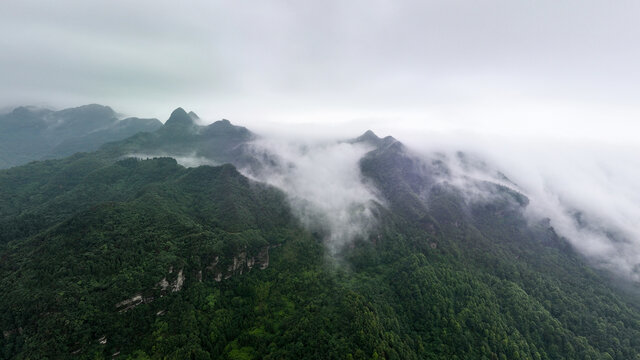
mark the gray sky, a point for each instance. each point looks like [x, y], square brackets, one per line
[561, 68]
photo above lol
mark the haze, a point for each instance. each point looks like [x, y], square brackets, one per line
[546, 91]
[513, 67]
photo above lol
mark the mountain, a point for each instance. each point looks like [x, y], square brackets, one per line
[29, 133]
[125, 253]
[219, 142]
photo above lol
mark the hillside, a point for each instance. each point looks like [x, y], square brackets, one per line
[124, 253]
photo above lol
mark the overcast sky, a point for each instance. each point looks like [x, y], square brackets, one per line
[550, 68]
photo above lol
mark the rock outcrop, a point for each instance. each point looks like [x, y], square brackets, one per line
[240, 264]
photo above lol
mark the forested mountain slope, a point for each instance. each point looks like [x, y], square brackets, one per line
[104, 256]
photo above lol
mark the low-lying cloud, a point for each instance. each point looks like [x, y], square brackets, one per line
[324, 185]
[588, 190]
[188, 161]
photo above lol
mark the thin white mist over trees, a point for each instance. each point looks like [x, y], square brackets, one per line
[324, 185]
[588, 190]
[187, 161]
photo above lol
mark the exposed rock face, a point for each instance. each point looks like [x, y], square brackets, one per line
[130, 303]
[240, 263]
[213, 265]
[263, 258]
[177, 285]
[164, 284]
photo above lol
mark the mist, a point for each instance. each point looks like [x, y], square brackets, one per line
[188, 161]
[323, 183]
[587, 189]
[545, 92]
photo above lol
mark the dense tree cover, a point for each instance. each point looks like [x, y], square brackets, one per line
[439, 277]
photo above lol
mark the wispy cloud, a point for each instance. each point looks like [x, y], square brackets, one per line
[323, 183]
[588, 190]
[186, 161]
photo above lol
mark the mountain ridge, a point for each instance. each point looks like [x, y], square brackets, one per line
[438, 275]
[32, 133]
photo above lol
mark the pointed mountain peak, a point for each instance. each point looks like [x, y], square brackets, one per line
[179, 117]
[178, 112]
[368, 136]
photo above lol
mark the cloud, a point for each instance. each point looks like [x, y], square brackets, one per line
[588, 189]
[324, 185]
[499, 78]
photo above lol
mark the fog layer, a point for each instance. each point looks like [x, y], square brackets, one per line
[589, 190]
[323, 183]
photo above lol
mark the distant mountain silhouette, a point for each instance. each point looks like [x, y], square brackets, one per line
[31, 133]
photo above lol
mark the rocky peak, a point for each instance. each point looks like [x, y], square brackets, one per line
[179, 118]
[368, 136]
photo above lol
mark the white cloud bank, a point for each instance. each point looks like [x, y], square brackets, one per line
[324, 185]
[589, 190]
